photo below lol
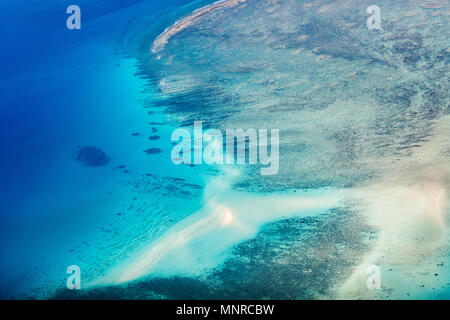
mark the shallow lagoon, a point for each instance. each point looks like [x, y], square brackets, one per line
[363, 118]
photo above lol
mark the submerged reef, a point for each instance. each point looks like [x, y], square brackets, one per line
[359, 110]
[91, 156]
[351, 104]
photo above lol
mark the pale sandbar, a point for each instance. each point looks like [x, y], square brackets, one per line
[191, 20]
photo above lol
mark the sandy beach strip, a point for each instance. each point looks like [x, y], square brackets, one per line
[189, 21]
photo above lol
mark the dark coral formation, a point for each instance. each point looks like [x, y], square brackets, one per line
[151, 151]
[92, 156]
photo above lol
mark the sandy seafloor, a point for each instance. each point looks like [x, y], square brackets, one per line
[364, 175]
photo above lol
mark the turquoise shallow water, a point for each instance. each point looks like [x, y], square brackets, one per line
[364, 152]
